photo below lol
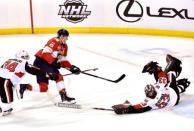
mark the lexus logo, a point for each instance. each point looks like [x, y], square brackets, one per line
[129, 10]
[132, 11]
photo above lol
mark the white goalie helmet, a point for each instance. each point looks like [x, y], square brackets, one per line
[150, 91]
[22, 55]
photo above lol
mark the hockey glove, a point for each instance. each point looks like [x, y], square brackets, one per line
[56, 65]
[121, 109]
[52, 76]
[75, 70]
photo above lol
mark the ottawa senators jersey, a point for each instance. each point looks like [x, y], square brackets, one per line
[53, 51]
[166, 97]
[14, 70]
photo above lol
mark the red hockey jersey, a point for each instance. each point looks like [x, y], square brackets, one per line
[55, 50]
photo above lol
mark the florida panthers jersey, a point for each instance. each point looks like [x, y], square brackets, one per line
[53, 51]
[14, 70]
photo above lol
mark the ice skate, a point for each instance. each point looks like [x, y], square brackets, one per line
[7, 112]
[173, 64]
[65, 98]
[183, 84]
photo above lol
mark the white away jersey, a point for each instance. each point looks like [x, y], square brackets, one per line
[14, 70]
[166, 97]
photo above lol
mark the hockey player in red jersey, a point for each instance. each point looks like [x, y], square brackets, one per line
[166, 91]
[11, 73]
[51, 58]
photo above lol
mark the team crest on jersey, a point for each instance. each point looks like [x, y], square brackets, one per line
[74, 11]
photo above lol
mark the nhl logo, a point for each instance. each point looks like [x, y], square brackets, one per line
[73, 11]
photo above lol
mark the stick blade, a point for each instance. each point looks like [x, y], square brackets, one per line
[120, 78]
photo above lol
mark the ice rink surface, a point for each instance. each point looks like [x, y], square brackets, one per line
[113, 55]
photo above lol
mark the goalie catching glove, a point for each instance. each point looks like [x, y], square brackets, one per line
[127, 108]
[75, 70]
[121, 109]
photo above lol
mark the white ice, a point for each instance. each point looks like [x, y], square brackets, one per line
[113, 55]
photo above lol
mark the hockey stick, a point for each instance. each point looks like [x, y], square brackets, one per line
[94, 69]
[103, 109]
[115, 81]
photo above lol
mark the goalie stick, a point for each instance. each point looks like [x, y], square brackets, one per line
[78, 106]
[103, 109]
[115, 81]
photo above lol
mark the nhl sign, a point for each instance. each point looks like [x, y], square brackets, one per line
[74, 11]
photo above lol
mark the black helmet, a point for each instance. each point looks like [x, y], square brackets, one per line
[151, 67]
[63, 32]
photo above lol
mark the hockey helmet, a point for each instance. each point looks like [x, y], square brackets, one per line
[151, 67]
[63, 32]
[150, 91]
[22, 55]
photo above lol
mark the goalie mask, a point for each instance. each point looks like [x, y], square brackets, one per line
[150, 91]
[22, 55]
[151, 67]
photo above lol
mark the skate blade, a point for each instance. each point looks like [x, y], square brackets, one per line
[68, 105]
[6, 113]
